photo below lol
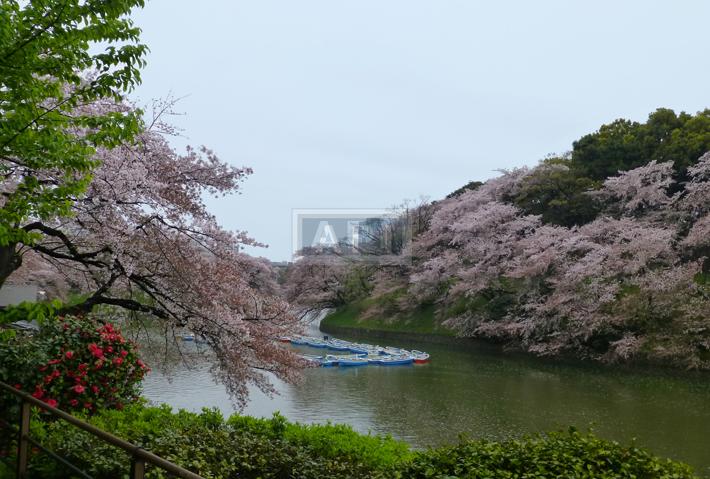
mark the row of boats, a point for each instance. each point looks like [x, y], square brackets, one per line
[359, 354]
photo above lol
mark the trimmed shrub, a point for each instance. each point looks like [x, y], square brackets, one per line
[246, 447]
[557, 454]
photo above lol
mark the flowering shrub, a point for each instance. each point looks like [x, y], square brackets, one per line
[74, 364]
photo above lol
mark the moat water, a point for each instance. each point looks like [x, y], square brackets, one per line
[481, 394]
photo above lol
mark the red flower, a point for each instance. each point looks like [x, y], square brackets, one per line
[117, 361]
[109, 349]
[39, 392]
[51, 402]
[124, 353]
[56, 373]
[18, 386]
[55, 361]
[74, 402]
[69, 354]
[83, 367]
[78, 389]
[95, 389]
[87, 405]
[96, 351]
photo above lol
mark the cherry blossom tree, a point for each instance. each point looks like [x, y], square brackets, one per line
[631, 283]
[695, 204]
[641, 189]
[601, 290]
[316, 281]
[141, 239]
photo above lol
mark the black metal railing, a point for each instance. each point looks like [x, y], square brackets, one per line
[139, 457]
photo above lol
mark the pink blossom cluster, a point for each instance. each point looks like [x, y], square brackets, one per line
[631, 282]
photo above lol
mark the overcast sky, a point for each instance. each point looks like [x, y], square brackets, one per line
[363, 103]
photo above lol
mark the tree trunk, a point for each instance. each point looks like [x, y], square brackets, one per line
[9, 261]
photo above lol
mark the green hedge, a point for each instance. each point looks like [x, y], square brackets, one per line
[558, 454]
[246, 447]
[205, 443]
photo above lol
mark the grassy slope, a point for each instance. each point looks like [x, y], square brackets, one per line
[422, 320]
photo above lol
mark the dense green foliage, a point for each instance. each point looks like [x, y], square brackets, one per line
[623, 145]
[246, 447]
[556, 190]
[214, 448]
[356, 284]
[471, 185]
[557, 193]
[47, 138]
[560, 454]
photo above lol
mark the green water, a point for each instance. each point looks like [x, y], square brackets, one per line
[482, 394]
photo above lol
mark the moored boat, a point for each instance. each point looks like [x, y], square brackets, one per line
[338, 346]
[396, 360]
[390, 351]
[312, 359]
[356, 350]
[352, 361]
[328, 363]
[361, 354]
[420, 357]
[316, 343]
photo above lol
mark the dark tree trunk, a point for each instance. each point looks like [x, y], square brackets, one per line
[9, 261]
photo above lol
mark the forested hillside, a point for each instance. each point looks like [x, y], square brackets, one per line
[598, 253]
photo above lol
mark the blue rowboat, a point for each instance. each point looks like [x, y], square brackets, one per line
[361, 354]
[332, 360]
[338, 346]
[393, 351]
[358, 350]
[347, 362]
[312, 359]
[324, 362]
[396, 361]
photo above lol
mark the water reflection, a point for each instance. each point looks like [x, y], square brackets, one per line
[480, 394]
